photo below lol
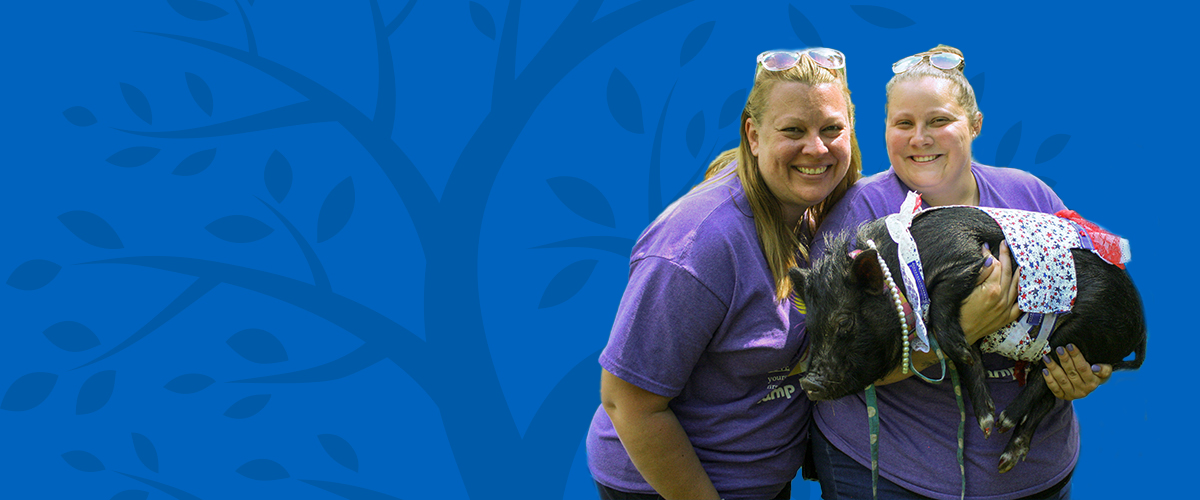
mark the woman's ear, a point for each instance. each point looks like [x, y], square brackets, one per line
[978, 124]
[752, 136]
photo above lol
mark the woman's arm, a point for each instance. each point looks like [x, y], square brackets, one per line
[991, 305]
[654, 440]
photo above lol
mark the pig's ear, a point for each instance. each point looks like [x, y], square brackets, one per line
[797, 276]
[867, 273]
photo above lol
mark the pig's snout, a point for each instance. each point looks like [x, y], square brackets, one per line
[813, 387]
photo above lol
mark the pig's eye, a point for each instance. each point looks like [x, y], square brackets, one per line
[845, 323]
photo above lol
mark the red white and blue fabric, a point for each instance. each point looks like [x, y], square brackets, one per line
[1041, 245]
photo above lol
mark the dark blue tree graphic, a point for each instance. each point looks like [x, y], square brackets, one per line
[454, 328]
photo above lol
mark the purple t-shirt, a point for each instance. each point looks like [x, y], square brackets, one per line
[918, 421]
[699, 323]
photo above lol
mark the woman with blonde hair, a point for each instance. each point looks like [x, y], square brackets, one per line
[696, 398]
[932, 118]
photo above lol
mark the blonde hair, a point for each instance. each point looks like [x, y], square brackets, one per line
[964, 95]
[779, 242]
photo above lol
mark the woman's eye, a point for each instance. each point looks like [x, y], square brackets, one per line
[833, 129]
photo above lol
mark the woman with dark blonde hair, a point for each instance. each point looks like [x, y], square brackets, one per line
[696, 397]
[932, 118]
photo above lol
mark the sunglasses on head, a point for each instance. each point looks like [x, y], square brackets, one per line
[940, 60]
[780, 60]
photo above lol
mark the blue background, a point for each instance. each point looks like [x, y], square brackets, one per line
[372, 248]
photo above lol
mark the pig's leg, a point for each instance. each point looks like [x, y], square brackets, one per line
[966, 358]
[1018, 446]
[1018, 409]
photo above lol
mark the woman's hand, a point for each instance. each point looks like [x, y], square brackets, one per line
[993, 302]
[1072, 377]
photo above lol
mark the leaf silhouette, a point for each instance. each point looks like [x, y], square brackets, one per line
[977, 82]
[200, 92]
[567, 283]
[195, 163]
[695, 133]
[263, 470]
[483, 20]
[1007, 149]
[623, 103]
[145, 451]
[1051, 147]
[137, 102]
[340, 451]
[336, 210]
[33, 274]
[248, 406]
[197, 10]
[71, 336]
[189, 383]
[583, 199]
[27, 392]
[804, 28]
[695, 41]
[882, 17]
[278, 176]
[132, 157]
[131, 495]
[239, 229]
[95, 392]
[83, 461]
[731, 110]
[257, 346]
[79, 115]
[90, 228]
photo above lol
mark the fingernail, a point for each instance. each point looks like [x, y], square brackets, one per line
[1095, 368]
[1045, 372]
[986, 246]
[988, 262]
[1061, 352]
[1046, 359]
[1071, 347]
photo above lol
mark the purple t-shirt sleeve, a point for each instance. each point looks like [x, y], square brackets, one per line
[664, 323]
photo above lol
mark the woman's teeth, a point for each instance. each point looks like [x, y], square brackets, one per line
[925, 158]
[812, 170]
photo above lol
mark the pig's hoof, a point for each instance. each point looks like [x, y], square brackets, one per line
[1006, 422]
[1007, 462]
[985, 424]
[1016, 451]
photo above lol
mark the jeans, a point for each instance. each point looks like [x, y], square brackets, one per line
[607, 493]
[844, 479]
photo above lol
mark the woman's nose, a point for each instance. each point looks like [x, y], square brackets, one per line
[920, 137]
[814, 145]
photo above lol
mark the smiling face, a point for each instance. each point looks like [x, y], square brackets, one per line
[802, 144]
[929, 141]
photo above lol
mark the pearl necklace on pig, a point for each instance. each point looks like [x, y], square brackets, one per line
[914, 283]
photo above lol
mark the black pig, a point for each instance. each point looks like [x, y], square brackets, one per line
[856, 332]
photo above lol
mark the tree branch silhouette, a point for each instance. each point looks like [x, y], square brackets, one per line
[412, 187]
[190, 295]
[391, 27]
[385, 101]
[301, 113]
[357, 360]
[320, 279]
[251, 45]
[401, 345]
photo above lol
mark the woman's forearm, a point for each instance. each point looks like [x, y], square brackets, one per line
[663, 454]
[654, 440]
